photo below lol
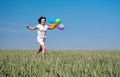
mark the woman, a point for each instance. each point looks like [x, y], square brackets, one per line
[41, 37]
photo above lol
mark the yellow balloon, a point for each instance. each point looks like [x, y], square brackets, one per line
[54, 25]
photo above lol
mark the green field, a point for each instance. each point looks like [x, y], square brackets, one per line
[82, 63]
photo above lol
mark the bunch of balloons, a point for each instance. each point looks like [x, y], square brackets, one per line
[56, 23]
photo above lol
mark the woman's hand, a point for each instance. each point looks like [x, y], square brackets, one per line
[31, 28]
[27, 26]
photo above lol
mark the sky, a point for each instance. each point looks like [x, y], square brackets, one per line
[89, 24]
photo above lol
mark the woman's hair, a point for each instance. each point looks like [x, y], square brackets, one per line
[39, 20]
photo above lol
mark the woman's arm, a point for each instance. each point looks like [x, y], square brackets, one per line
[31, 28]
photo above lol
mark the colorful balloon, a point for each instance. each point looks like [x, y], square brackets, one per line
[54, 25]
[61, 27]
[52, 20]
[58, 21]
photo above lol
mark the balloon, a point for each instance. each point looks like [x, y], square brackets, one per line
[61, 27]
[58, 21]
[52, 20]
[54, 25]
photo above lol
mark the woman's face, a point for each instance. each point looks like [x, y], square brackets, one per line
[43, 21]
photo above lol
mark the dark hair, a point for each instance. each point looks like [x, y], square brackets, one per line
[39, 20]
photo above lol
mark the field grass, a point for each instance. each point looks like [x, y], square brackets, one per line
[81, 63]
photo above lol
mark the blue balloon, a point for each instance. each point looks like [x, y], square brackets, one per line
[52, 20]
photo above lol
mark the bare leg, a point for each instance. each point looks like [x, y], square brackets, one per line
[38, 51]
[43, 49]
[43, 52]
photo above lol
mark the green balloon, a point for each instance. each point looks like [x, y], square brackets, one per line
[58, 21]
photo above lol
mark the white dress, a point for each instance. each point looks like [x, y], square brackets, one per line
[41, 37]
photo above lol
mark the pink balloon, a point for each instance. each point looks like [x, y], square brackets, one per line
[61, 27]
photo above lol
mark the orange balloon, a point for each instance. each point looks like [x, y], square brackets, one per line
[54, 25]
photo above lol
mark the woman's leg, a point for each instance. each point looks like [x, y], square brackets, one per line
[43, 49]
[38, 51]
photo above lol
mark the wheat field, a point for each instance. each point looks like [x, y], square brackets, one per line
[60, 63]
